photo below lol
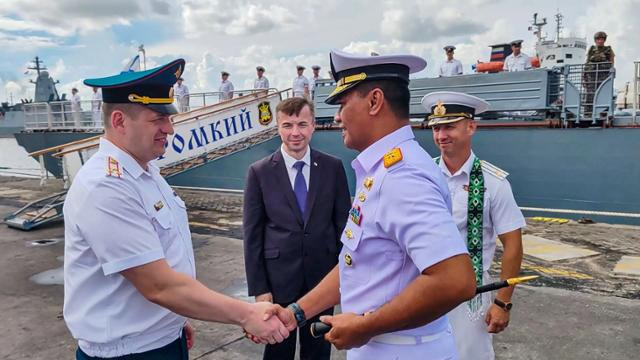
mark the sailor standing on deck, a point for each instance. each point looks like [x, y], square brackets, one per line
[226, 87]
[483, 208]
[403, 265]
[300, 84]
[129, 269]
[314, 78]
[181, 92]
[451, 66]
[96, 105]
[517, 60]
[261, 82]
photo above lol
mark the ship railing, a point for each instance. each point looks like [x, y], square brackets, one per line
[63, 115]
[588, 94]
[202, 99]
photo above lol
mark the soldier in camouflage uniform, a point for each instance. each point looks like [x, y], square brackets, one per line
[597, 68]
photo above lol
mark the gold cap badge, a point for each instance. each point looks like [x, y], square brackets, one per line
[439, 110]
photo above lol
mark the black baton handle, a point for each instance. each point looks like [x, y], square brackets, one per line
[490, 287]
[318, 329]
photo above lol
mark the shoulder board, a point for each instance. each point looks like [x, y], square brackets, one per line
[494, 170]
[113, 167]
[392, 157]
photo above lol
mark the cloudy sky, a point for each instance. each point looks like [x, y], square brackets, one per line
[80, 39]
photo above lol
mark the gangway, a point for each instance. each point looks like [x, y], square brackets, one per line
[37, 213]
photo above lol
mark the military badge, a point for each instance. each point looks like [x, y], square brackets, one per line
[159, 205]
[392, 157]
[113, 167]
[368, 183]
[265, 113]
[349, 234]
[439, 110]
[348, 260]
[355, 215]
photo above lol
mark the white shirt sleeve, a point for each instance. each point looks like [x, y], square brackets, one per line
[459, 68]
[118, 229]
[414, 212]
[505, 213]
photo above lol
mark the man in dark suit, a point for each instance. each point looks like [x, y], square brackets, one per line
[296, 202]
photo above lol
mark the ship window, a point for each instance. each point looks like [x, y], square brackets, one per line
[551, 57]
[568, 56]
[560, 61]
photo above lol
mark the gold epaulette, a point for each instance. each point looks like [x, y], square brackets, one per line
[113, 167]
[392, 157]
[494, 170]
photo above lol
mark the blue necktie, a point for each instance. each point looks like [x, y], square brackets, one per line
[300, 187]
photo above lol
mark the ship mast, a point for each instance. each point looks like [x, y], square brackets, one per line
[538, 27]
[36, 67]
[559, 18]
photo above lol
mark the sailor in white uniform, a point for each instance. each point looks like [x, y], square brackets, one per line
[181, 92]
[483, 209]
[300, 84]
[261, 81]
[129, 269]
[451, 66]
[314, 78]
[226, 87]
[517, 60]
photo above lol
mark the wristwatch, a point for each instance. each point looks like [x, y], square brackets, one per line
[298, 313]
[504, 306]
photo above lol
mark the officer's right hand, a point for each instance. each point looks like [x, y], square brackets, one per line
[261, 324]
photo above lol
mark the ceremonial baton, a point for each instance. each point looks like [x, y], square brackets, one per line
[319, 328]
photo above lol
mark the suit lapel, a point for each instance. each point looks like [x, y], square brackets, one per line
[314, 183]
[282, 177]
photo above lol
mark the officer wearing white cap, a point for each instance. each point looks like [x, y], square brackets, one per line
[261, 82]
[226, 87]
[129, 269]
[451, 66]
[314, 78]
[300, 84]
[483, 208]
[517, 60]
[403, 264]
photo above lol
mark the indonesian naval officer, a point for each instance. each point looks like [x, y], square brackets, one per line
[129, 268]
[483, 208]
[403, 264]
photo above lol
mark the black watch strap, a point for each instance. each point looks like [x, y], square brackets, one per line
[505, 306]
[301, 318]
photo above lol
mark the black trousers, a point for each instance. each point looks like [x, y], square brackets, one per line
[177, 350]
[310, 348]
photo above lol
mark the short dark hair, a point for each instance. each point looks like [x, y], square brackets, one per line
[396, 93]
[295, 105]
[108, 108]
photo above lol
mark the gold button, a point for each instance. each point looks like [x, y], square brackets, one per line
[347, 259]
[362, 197]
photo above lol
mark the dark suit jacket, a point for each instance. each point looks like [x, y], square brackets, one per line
[284, 253]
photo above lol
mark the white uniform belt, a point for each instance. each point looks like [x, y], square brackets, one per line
[393, 339]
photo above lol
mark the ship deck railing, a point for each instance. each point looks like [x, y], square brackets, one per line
[86, 115]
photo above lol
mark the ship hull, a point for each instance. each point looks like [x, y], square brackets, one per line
[576, 169]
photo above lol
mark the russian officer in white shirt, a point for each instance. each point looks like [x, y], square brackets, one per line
[129, 269]
[517, 60]
[483, 209]
[451, 66]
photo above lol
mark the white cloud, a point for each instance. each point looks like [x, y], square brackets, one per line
[21, 43]
[66, 17]
[232, 17]
[427, 21]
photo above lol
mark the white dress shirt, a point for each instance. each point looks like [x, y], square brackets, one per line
[299, 83]
[261, 83]
[451, 68]
[114, 223]
[517, 63]
[292, 171]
